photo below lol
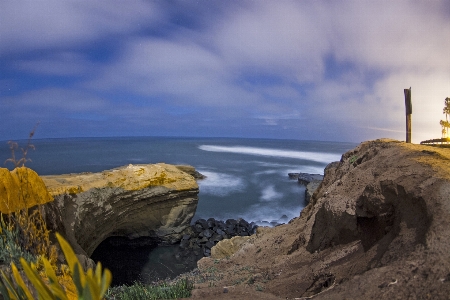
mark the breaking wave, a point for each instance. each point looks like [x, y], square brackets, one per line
[220, 184]
[320, 157]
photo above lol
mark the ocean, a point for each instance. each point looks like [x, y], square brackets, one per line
[245, 178]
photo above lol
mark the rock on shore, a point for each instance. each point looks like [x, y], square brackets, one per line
[311, 181]
[133, 201]
[205, 234]
[305, 178]
[378, 227]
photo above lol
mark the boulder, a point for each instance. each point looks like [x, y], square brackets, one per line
[228, 247]
[293, 175]
[216, 231]
[134, 201]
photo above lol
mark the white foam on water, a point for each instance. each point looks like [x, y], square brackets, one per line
[220, 184]
[260, 213]
[269, 193]
[272, 165]
[267, 172]
[311, 156]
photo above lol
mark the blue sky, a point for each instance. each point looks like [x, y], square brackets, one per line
[314, 70]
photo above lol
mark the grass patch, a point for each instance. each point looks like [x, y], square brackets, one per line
[179, 289]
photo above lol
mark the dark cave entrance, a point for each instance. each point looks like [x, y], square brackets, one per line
[142, 260]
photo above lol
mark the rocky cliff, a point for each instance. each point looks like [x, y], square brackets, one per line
[133, 201]
[376, 228]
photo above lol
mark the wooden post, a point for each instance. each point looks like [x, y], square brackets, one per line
[408, 107]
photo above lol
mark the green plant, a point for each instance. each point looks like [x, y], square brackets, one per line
[24, 238]
[13, 146]
[23, 193]
[180, 289]
[353, 159]
[89, 285]
[10, 248]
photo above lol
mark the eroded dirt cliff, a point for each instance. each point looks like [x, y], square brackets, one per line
[377, 228]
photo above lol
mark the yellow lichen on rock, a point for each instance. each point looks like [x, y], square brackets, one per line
[131, 177]
[21, 188]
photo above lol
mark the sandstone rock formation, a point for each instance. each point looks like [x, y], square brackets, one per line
[228, 247]
[133, 201]
[377, 228]
[191, 171]
[21, 188]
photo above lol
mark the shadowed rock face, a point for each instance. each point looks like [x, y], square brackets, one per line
[368, 198]
[134, 201]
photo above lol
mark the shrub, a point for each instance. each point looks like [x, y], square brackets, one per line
[24, 238]
[10, 248]
[180, 289]
[89, 285]
[21, 193]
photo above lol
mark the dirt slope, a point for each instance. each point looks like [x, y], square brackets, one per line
[377, 228]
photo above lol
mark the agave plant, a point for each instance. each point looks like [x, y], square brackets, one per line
[89, 286]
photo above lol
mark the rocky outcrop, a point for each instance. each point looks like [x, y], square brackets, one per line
[191, 171]
[376, 228]
[228, 247]
[293, 175]
[133, 201]
[21, 188]
[305, 178]
[205, 234]
[311, 181]
[311, 189]
[368, 197]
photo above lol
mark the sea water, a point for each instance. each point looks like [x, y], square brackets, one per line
[245, 178]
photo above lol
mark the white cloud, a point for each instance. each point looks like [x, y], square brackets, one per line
[29, 25]
[391, 34]
[332, 70]
[285, 38]
[184, 72]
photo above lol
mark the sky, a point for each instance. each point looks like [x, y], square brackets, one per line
[307, 70]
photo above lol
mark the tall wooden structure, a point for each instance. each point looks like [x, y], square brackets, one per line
[408, 111]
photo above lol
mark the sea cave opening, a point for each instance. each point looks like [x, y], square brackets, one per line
[142, 259]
